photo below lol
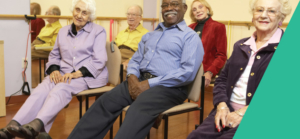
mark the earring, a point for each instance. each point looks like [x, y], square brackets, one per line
[280, 23]
[208, 12]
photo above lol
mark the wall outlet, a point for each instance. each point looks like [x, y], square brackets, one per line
[23, 62]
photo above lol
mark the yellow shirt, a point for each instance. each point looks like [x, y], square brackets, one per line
[49, 34]
[131, 38]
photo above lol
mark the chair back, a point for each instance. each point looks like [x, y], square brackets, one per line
[113, 63]
[194, 88]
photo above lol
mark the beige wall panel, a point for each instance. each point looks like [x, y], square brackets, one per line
[234, 10]
[2, 81]
[106, 8]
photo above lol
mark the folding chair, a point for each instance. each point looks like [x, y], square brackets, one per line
[113, 66]
[194, 90]
[44, 59]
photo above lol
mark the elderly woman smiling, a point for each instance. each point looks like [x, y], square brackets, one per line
[236, 85]
[76, 63]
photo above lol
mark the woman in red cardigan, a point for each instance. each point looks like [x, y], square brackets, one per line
[213, 36]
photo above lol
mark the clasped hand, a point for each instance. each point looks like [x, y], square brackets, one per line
[56, 77]
[227, 118]
[136, 87]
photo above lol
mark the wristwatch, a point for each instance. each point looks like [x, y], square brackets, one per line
[128, 75]
[210, 73]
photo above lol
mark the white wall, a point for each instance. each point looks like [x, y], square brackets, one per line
[150, 6]
[14, 33]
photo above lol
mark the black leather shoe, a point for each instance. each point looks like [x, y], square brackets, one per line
[27, 131]
[43, 135]
[24, 131]
[4, 134]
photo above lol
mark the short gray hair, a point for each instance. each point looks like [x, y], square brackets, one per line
[183, 1]
[90, 5]
[285, 8]
[56, 10]
[141, 9]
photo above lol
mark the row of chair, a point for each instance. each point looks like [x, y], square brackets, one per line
[115, 69]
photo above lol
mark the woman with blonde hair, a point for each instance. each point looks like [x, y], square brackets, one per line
[236, 86]
[213, 37]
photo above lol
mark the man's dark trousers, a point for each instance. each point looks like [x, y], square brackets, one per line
[139, 118]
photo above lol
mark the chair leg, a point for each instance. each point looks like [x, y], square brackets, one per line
[80, 107]
[166, 127]
[40, 68]
[202, 101]
[148, 136]
[201, 116]
[45, 67]
[111, 132]
[196, 126]
[121, 118]
[86, 103]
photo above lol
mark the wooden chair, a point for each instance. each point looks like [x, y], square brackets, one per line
[194, 90]
[45, 60]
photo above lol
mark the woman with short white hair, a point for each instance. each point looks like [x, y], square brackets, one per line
[76, 63]
[236, 86]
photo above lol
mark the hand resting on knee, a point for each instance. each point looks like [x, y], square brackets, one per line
[136, 87]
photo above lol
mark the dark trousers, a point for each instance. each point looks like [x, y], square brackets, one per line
[207, 130]
[139, 118]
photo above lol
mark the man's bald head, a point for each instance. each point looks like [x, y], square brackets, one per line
[134, 16]
[53, 10]
[137, 7]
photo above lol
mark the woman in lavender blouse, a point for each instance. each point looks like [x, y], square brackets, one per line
[76, 63]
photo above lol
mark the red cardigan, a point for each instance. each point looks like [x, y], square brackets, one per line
[36, 26]
[214, 42]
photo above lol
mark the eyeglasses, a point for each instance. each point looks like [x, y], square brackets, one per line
[133, 15]
[270, 12]
[172, 4]
[83, 13]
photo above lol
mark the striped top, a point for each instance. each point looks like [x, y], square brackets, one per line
[173, 54]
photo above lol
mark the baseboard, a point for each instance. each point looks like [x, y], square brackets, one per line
[16, 99]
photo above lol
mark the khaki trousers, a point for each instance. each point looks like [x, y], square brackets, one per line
[36, 54]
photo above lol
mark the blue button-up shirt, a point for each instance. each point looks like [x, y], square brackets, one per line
[172, 54]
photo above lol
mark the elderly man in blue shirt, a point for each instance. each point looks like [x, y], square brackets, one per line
[167, 60]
